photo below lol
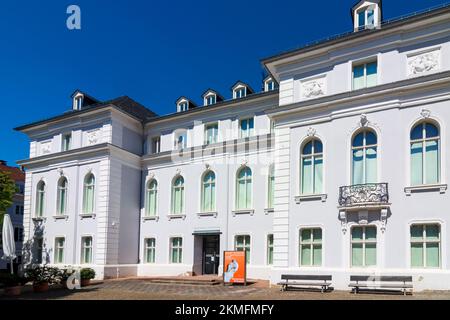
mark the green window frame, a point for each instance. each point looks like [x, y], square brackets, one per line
[270, 249]
[178, 195]
[363, 246]
[89, 194]
[40, 199]
[59, 250]
[86, 250]
[311, 163]
[244, 185]
[61, 198]
[310, 240]
[208, 192]
[365, 158]
[176, 250]
[150, 250]
[242, 243]
[151, 198]
[425, 245]
[425, 154]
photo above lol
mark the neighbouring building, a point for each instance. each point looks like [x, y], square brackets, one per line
[338, 166]
[16, 212]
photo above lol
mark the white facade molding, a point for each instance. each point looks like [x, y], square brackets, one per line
[441, 188]
[310, 197]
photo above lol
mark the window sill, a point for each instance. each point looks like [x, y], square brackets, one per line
[176, 216]
[87, 215]
[311, 197]
[39, 219]
[243, 211]
[149, 218]
[269, 210]
[61, 217]
[207, 214]
[442, 188]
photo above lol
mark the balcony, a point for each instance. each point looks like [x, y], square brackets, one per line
[373, 195]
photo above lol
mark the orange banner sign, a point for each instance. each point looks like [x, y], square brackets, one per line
[234, 267]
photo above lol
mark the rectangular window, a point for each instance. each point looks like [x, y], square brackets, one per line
[18, 234]
[211, 100]
[17, 209]
[66, 142]
[211, 133]
[176, 250]
[59, 250]
[181, 141]
[362, 18]
[426, 246]
[183, 107]
[270, 249]
[242, 243]
[86, 250]
[364, 246]
[150, 250]
[311, 247]
[246, 128]
[239, 93]
[365, 75]
[156, 145]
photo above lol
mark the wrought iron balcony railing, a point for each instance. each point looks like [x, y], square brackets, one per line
[364, 195]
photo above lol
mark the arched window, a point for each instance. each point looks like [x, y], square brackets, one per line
[425, 154]
[364, 154]
[312, 167]
[61, 197]
[271, 187]
[40, 198]
[88, 193]
[151, 198]
[178, 195]
[244, 189]
[209, 192]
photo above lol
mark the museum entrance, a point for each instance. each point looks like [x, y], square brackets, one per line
[211, 254]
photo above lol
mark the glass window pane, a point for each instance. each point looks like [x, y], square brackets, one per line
[307, 186]
[358, 167]
[371, 254]
[362, 18]
[318, 175]
[371, 233]
[432, 162]
[357, 233]
[416, 164]
[431, 130]
[306, 235]
[432, 255]
[305, 255]
[307, 149]
[358, 77]
[358, 141]
[432, 232]
[357, 254]
[417, 233]
[371, 165]
[317, 255]
[372, 74]
[318, 147]
[417, 132]
[371, 138]
[317, 235]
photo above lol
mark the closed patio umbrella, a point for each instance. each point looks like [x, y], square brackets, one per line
[9, 245]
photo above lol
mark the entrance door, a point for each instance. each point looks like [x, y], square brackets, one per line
[211, 255]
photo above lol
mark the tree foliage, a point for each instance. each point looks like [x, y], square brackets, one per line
[7, 191]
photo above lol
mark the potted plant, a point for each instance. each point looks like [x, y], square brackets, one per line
[12, 283]
[86, 274]
[64, 275]
[42, 277]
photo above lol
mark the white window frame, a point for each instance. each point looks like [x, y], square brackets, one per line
[83, 248]
[268, 247]
[179, 248]
[245, 245]
[364, 242]
[172, 195]
[57, 248]
[424, 242]
[313, 157]
[251, 180]
[147, 200]
[147, 247]
[311, 243]
[364, 63]
[364, 148]
[249, 132]
[58, 196]
[38, 213]
[156, 144]
[63, 141]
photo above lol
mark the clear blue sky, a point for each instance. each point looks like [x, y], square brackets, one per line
[152, 51]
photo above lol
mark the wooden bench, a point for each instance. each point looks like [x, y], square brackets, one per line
[305, 281]
[402, 283]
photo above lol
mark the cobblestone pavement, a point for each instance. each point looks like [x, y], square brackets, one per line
[144, 290]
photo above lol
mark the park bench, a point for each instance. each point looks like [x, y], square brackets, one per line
[305, 281]
[401, 283]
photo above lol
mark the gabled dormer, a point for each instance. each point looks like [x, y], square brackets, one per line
[184, 104]
[211, 97]
[269, 84]
[367, 14]
[241, 90]
[81, 100]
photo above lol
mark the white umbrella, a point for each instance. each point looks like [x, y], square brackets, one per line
[9, 245]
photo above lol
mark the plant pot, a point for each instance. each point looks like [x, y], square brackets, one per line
[40, 287]
[85, 282]
[13, 291]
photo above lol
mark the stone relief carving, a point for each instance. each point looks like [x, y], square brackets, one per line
[313, 88]
[425, 113]
[93, 137]
[311, 132]
[425, 62]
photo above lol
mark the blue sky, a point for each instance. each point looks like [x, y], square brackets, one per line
[152, 51]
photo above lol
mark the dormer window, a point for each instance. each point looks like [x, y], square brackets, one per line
[78, 102]
[184, 104]
[367, 14]
[210, 100]
[269, 84]
[240, 93]
[211, 97]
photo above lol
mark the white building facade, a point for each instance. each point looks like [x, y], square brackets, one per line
[341, 170]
